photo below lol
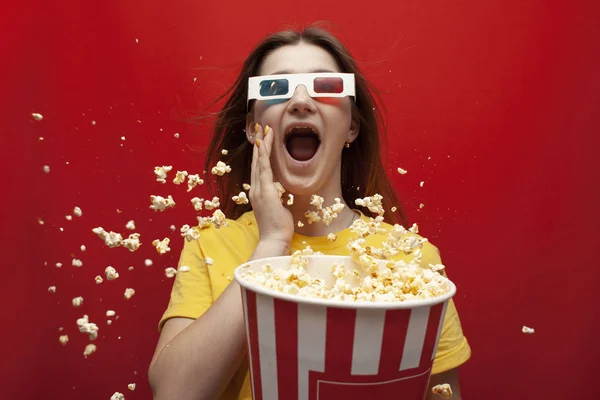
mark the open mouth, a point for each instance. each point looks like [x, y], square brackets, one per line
[302, 143]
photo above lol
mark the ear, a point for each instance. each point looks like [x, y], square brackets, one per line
[354, 128]
[250, 127]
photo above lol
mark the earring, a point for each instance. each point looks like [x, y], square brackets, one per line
[347, 145]
[250, 136]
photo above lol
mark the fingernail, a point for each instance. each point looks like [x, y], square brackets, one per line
[267, 128]
[256, 126]
[258, 143]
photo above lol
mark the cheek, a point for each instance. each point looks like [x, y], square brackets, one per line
[332, 101]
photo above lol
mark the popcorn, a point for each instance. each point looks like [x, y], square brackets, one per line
[190, 233]
[218, 219]
[209, 261]
[393, 209]
[170, 272]
[176, 136]
[131, 386]
[212, 204]
[85, 326]
[148, 262]
[117, 395]
[436, 267]
[98, 279]
[130, 225]
[290, 199]
[197, 203]
[160, 203]
[129, 292]
[89, 349]
[111, 239]
[132, 242]
[402, 171]
[63, 339]
[422, 183]
[77, 301]
[240, 198]
[184, 268]
[77, 263]
[110, 313]
[421, 205]
[300, 224]
[172, 228]
[312, 216]
[528, 330]
[162, 246]
[316, 201]
[40, 221]
[332, 237]
[224, 152]
[108, 322]
[443, 390]
[111, 273]
[161, 173]
[58, 265]
[246, 186]
[280, 188]
[68, 217]
[193, 181]
[180, 177]
[52, 289]
[46, 169]
[373, 203]
[37, 116]
[221, 169]
[82, 247]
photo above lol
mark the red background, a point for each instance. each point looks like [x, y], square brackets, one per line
[493, 104]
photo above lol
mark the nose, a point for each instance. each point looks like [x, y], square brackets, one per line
[301, 101]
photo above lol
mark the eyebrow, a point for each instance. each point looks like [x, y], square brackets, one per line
[311, 72]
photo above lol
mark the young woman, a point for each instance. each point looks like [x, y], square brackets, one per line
[300, 114]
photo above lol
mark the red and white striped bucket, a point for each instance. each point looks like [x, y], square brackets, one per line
[312, 349]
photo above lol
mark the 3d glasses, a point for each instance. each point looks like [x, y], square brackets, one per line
[321, 84]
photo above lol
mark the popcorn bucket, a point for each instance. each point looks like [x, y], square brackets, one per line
[302, 348]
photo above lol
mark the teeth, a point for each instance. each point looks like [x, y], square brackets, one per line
[302, 127]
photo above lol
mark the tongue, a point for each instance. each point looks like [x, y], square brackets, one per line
[302, 148]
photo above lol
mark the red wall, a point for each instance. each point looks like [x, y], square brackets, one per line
[493, 104]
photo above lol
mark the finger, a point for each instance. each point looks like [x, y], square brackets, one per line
[254, 183]
[268, 139]
[265, 176]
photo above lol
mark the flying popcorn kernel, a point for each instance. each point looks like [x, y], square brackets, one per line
[240, 198]
[117, 395]
[89, 349]
[528, 330]
[212, 204]
[221, 169]
[58, 265]
[131, 386]
[161, 173]
[197, 203]
[160, 203]
[209, 261]
[77, 301]
[130, 268]
[280, 188]
[190, 233]
[108, 322]
[111, 273]
[402, 171]
[129, 292]
[436, 267]
[85, 326]
[82, 247]
[312, 217]
[184, 268]
[421, 205]
[37, 116]
[162, 246]
[393, 209]
[421, 183]
[40, 221]
[130, 225]
[77, 263]
[193, 181]
[111, 239]
[68, 217]
[176, 136]
[373, 203]
[180, 177]
[64, 339]
[290, 199]
[46, 169]
[52, 289]
[246, 186]
[148, 262]
[110, 313]
[300, 224]
[443, 390]
[332, 237]
[170, 272]
[132, 242]
[224, 152]
[316, 201]
[77, 212]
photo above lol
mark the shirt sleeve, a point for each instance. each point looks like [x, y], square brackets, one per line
[453, 349]
[191, 294]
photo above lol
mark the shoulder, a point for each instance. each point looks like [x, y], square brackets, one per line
[241, 230]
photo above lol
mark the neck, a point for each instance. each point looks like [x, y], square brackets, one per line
[302, 204]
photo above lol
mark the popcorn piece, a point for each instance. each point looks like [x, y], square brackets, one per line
[131, 386]
[160, 203]
[172, 228]
[40, 221]
[443, 390]
[280, 188]
[108, 322]
[111, 273]
[130, 268]
[98, 279]
[170, 272]
[162, 246]
[316, 201]
[528, 330]
[332, 237]
[290, 199]
[110, 313]
[46, 169]
[402, 171]
[148, 262]
[63, 339]
[212, 204]
[246, 186]
[197, 203]
[85, 326]
[224, 152]
[421, 205]
[193, 181]
[209, 261]
[77, 263]
[176, 136]
[240, 198]
[77, 211]
[77, 301]
[221, 169]
[52, 289]
[393, 209]
[68, 217]
[82, 247]
[312, 216]
[218, 219]
[111, 239]
[130, 225]
[37, 116]
[190, 233]
[422, 183]
[161, 173]
[89, 349]
[436, 267]
[184, 268]
[58, 265]
[117, 395]
[132, 242]
[373, 203]
[300, 224]
[129, 292]
[180, 177]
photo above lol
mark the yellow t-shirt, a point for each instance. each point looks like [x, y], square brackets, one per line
[230, 246]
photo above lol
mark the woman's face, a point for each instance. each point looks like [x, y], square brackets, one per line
[305, 163]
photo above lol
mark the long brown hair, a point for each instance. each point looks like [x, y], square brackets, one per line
[363, 173]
